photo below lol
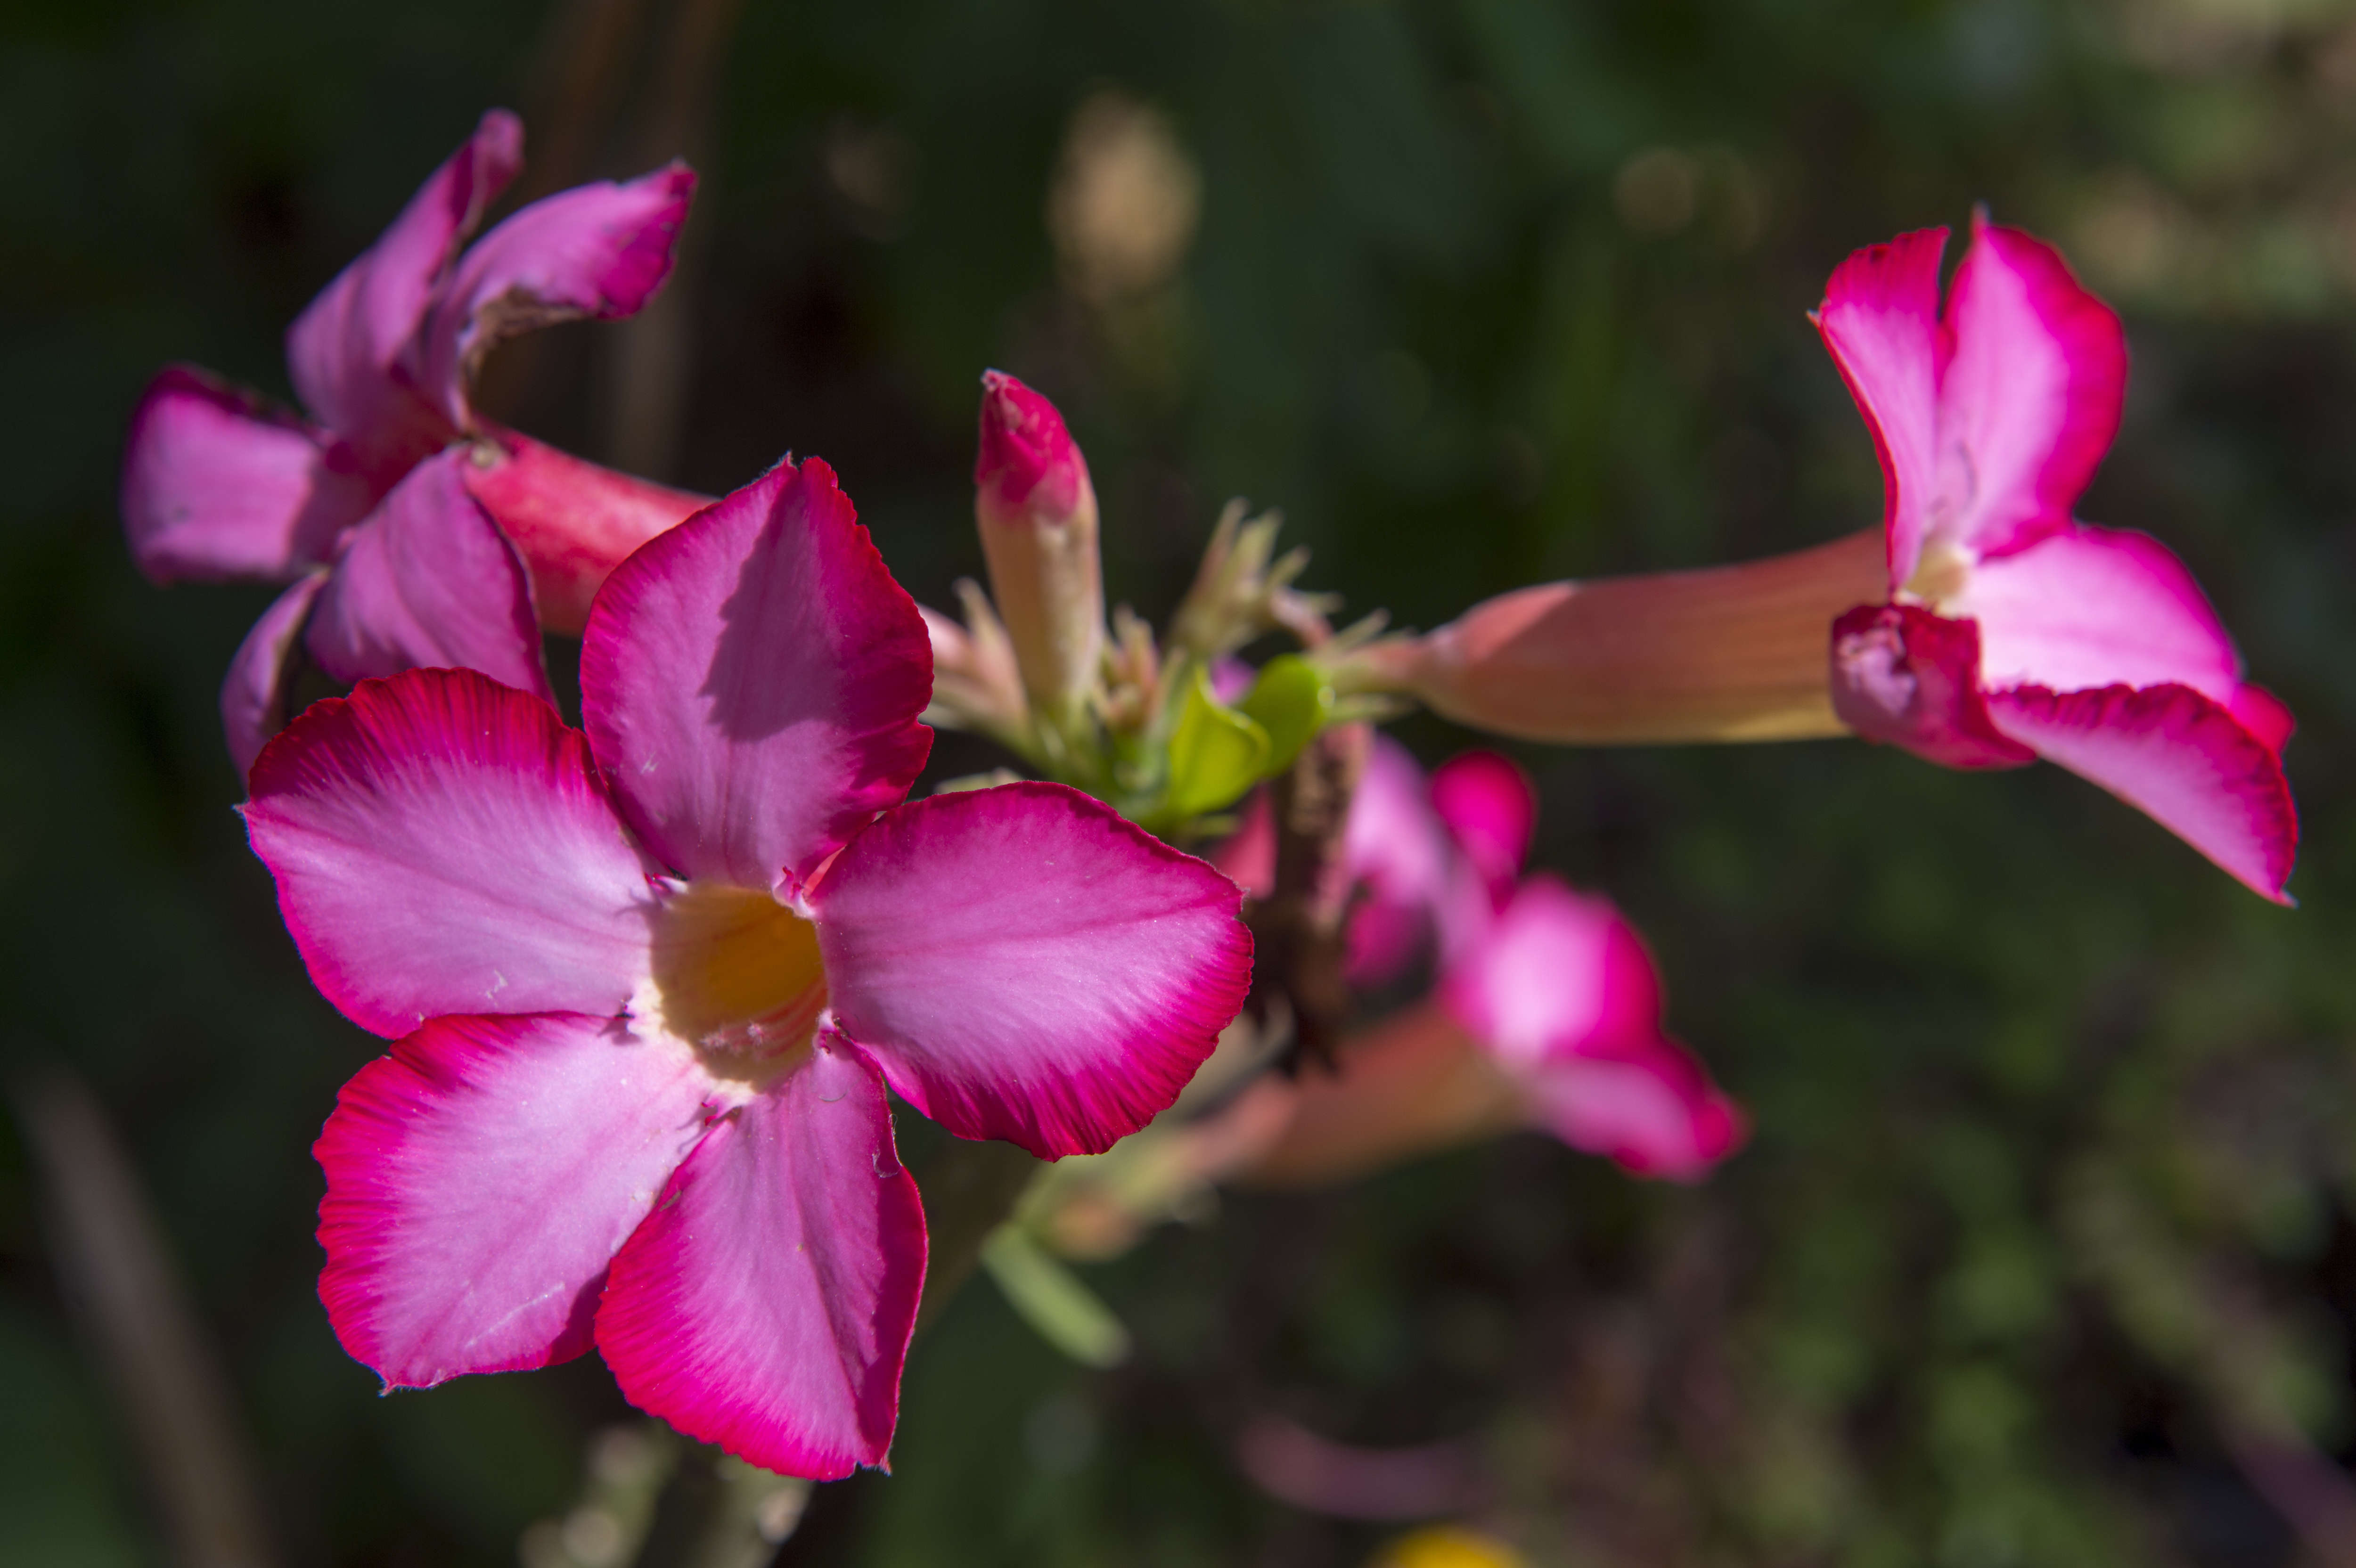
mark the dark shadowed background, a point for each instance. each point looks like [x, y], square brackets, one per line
[2044, 1251]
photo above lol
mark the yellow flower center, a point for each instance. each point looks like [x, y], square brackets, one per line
[738, 974]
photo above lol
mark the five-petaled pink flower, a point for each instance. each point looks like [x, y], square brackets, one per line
[1549, 1006]
[365, 506]
[2012, 631]
[646, 986]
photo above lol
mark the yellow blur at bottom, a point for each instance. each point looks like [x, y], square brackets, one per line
[1446, 1546]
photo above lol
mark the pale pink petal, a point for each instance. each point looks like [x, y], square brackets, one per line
[1025, 965]
[572, 521]
[751, 682]
[2180, 757]
[253, 696]
[482, 1176]
[442, 845]
[428, 581]
[1881, 319]
[1905, 676]
[1490, 809]
[1396, 848]
[1558, 974]
[598, 250]
[218, 484]
[343, 350]
[2089, 607]
[765, 1305]
[1648, 1108]
[2031, 395]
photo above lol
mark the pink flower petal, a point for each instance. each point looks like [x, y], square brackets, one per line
[2262, 713]
[2089, 607]
[428, 581]
[765, 1305]
[1905, 676]
[2030, 397]
[1490, 808]
[572, 521]
[480, 1178]
[751, 682]
[343, 350]
[1558, 974]
[598, 250]
[1881, 319]
[1396, 848]
[442, 845]
[1248, 856]
[1024, 965]
[2180, 757]
[1650, 1108]
[218, 484]
[253, 696]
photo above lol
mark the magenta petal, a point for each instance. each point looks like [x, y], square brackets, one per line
[1650, 1108]
[253, 696]
[1396, 850]
[1491, 809]
[2031, 394]
[428, 581]
[482, 1176]
[2180, 757]
[1881, 319]
[218, 484]
[442, 845]
[1906, 677]
[598, 250]
[1558, 974]
[2262, 713]
[343, 348]
[765, 1305]
[2095, 607]
[1025, 965]
[751, 682]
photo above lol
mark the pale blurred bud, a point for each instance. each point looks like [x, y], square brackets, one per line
[1125, 202]
[1037, 514]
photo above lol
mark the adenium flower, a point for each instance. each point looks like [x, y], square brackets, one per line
[1546, 1010]
[218, 485]
[646, 986]
[2009, 630]
[1036, 511]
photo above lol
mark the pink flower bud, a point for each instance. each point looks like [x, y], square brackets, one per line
[1037, 516]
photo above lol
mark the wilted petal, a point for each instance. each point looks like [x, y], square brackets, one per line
[1881, 319]
[342, 349]
[1558, 974]
[1906, 677]
[572, 521]
[253, 696]
[218, 484]
[765, 1305]
[442, 845]
[2092, 607]
[1650, 1108]
[1024, 965]
[2180, 757]
[480, 1178]
[598, 250]
[428, 581]
[751, 682]
[2031, 397]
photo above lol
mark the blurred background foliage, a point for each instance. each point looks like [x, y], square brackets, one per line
[2044, 1251]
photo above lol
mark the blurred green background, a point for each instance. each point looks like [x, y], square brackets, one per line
[2044, 1251]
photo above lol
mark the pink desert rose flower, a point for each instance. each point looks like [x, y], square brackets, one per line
[1547, 1009]
[218, 484]
[646, 986]
[1035, 510]
[2011, 631]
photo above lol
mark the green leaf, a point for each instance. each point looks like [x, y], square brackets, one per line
[1215, 754]
[1291, 701]
[1052, 1300]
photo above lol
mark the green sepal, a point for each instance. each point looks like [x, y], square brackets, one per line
[1052, 1300]
[1291, 700]
[1215, 754]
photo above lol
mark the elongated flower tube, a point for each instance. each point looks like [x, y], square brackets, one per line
[218, 484]
[2006, 630]
[1037, 514]
[646, 986]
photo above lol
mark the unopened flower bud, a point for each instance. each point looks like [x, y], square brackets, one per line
[1037, 514]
